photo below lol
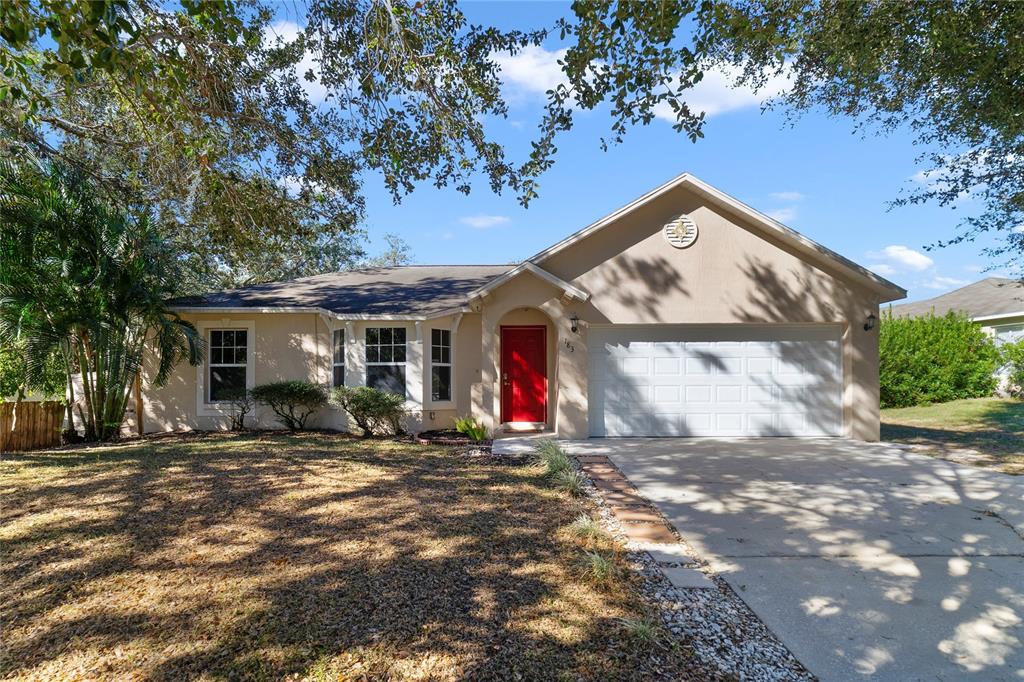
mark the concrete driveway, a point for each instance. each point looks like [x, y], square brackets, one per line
[866, 560]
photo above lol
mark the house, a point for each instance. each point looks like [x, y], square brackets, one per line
[995, 303]
[684, 313]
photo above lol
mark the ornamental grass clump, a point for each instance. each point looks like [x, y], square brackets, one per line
[569, 481]
[588, 529]
[599, 568]
[553, 457]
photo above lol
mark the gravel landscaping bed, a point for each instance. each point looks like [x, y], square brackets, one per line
[715, 623]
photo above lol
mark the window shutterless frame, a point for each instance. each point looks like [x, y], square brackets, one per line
[440, 365]
[385, 359]
[227, 364]
[338, 360]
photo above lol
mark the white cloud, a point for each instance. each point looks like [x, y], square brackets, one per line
[284, 32]
[717, 93]
[882, 269]
[483, 222]
[783, 214]
[939, 282]
[533, 70]
[1019, 229]
[447, 236]
[903, 257]
[787, 196]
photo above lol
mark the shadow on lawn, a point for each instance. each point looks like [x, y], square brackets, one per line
[268, 556]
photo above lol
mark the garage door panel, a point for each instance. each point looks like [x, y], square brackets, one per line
[742, 380]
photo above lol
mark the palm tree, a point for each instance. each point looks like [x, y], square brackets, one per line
[89, 282]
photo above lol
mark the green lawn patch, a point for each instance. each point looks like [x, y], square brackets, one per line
[994, 427]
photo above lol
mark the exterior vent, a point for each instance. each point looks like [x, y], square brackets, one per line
[681, 232]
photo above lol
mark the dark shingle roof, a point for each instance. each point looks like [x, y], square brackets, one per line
[414, 290]
[990, 296]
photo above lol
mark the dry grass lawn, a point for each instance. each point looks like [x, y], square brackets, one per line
[270, 556]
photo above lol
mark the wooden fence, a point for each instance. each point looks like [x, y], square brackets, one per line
[38, 425]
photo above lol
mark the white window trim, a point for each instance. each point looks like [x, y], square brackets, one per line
[367, 364]
[203, 408]
[450, 365]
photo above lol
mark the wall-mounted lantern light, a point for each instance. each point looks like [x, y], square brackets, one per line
[574, 323]
[870, 323]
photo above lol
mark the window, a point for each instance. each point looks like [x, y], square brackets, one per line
[440, 364]
[385, 359]
[227, 365]
[1010, 333]
[338, 376]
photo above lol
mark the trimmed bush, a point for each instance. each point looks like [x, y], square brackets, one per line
[375, 412]
[934, 360]
[292, 401]
[242, 404]
[473, 429]
[1012, 357]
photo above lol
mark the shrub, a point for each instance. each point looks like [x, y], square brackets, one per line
[934, 360]
[1012, 357]
[241, 404]
[292, 401]
[375, 412]
[472, 428]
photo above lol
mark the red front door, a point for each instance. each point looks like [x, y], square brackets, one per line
[524, 375]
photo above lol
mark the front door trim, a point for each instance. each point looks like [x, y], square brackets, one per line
[506, 407]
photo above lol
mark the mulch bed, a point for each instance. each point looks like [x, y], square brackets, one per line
[449, 437]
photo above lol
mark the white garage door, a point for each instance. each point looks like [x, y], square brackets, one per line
[716, 380]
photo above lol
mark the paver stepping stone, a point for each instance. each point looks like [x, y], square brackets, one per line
[666, 554]
[593, 459]
[649, 532]
[635, 514]
[622, 497]
[686, 577]
[620, 484]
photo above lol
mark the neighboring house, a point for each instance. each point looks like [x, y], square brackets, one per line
[995, 303]
[685, 313]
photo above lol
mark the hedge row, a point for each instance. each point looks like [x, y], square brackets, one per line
[934, 360]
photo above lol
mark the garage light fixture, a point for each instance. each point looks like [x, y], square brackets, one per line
[574, 323]
[870, 324]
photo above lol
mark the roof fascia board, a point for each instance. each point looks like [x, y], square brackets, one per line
[986, 318]
[800, 242]
[239, 310]
[539, 272]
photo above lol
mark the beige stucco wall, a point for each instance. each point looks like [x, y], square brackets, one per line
[298, 346]
[732, 274]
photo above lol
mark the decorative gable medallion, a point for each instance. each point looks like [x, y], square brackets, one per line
[680, 232]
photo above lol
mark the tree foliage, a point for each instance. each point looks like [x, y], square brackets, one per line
[208, 115]
[89, 283]
[934, 359]
[950, 71]
[251, 135]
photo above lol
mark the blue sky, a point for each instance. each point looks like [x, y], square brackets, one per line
[817, 176]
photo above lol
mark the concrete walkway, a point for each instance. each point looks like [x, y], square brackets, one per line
[866, 560]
